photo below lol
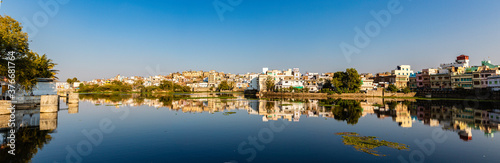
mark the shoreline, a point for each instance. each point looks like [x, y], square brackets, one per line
[303, 95]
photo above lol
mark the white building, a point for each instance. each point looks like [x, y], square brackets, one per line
[296, 73]
[264, 70]
[45, 86]
[290, 83]
[462, 61]
[402, 70]
[367, 84]
[62, 85]
[241, 85]
[203, 85]
[311, 86]
[254, 82]
[76, 84]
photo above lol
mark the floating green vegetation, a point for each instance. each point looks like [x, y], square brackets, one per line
[228, 113]
[378, 105]
[285, 104]
[97, 104]
[368, 143]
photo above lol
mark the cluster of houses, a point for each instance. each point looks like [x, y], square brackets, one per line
[448, 76]
[284, 79]
[197, 80]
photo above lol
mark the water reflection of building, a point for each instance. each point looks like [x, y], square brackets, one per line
[396, 110]
[405, 113]
[462, 119]
[287, 110]
[208, 105]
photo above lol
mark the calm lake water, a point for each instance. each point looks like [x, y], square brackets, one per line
[231, 128]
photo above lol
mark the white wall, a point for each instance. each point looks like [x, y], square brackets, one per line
[45, 88]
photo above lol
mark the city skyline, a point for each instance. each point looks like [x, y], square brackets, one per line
[95, 39]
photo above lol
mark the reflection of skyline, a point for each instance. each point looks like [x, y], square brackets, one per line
[444, 114]
[461, 120]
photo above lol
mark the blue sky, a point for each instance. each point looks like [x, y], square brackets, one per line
[97, 39]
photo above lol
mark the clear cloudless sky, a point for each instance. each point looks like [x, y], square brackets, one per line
[92, 39]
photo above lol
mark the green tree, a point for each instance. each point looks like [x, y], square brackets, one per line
[406, 90]
[392, 88]
[224, 86]
[353, 79]
[327, 85]
[348, 81]
[186, 89]
[29, 65]
[70, 81]
[12, 38]
[138, 84]
[167, 86]
[270, 84]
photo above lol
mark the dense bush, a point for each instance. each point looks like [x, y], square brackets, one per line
[118, 86]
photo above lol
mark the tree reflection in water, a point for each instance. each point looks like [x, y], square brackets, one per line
[28, 141]
[344, 110]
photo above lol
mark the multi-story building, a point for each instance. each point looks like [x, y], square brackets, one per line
[402, 70]
[290, 83]
[311, 86]
[412, 81]
[462, 61]
[440, 81]
[494, 82]
[400, 81]
[254, 82]
[462, 80]
[366, 84]
[212, 79]
[480, 78]
[192, 73]
[296, 73]
[423, 78]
